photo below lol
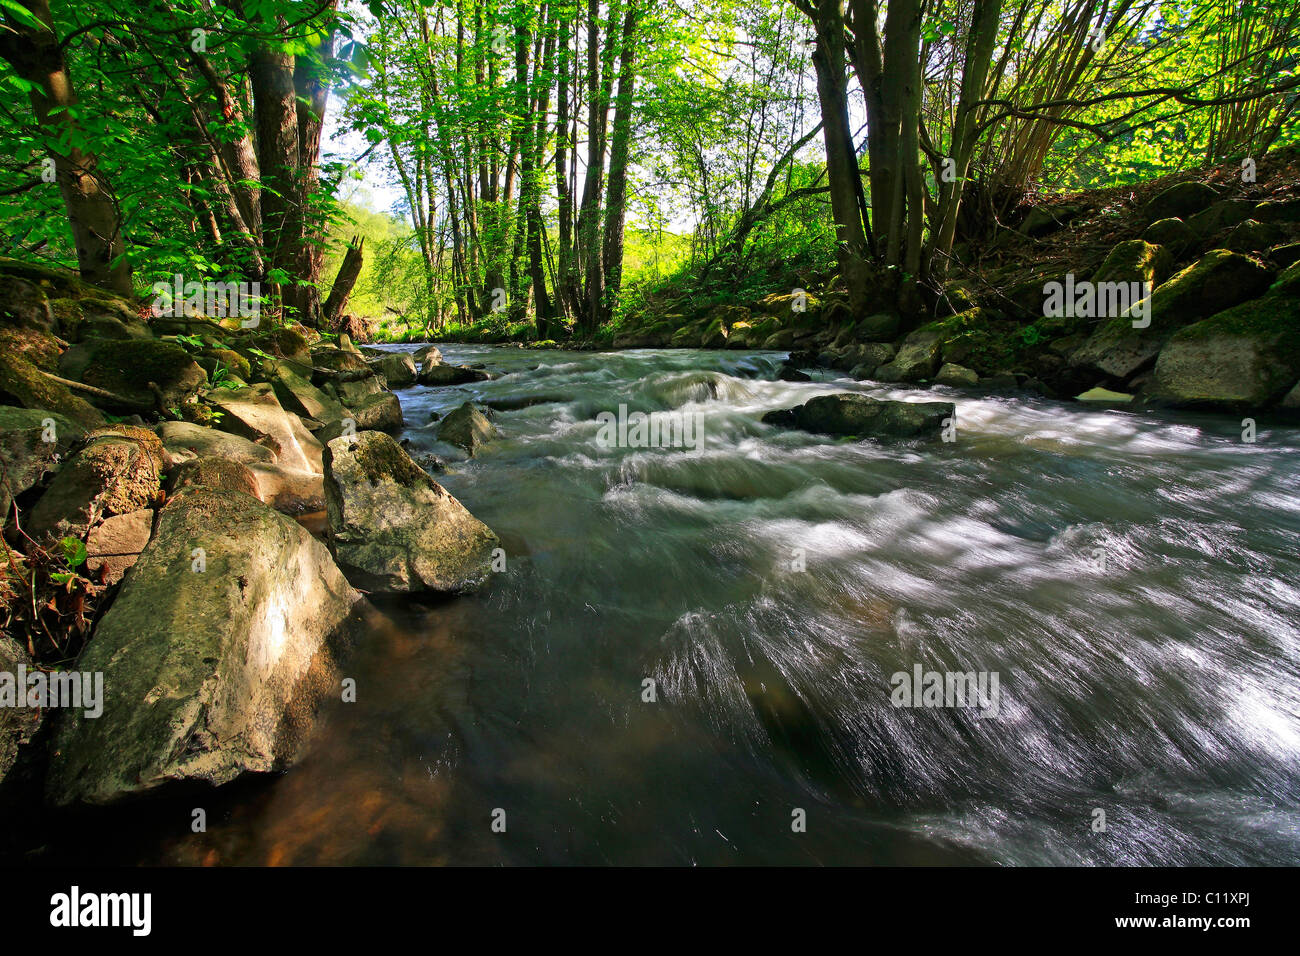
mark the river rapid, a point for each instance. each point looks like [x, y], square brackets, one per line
[1131, 580]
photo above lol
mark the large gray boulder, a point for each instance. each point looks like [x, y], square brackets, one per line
[858, 416]
[393, 528]
[212, 671]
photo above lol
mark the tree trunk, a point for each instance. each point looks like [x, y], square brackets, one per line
[349, 270]
[36, 56]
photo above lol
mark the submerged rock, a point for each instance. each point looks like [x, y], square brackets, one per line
[859, 416]
[393, 528]
[214, 671]
[466, 427]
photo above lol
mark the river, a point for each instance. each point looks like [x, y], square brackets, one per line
[1131, 580]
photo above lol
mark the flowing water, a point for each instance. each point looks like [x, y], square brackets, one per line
[1132, 581]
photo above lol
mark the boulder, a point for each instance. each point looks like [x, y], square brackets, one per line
[22, 383]
[397, 368]
[917, 358]
[393, 528]
[1104, 396]
[23, 303]
[382, 412]
[113, 547]
[1174, 234]
[353, 391]
[216, 670]
[860, 417]
[33, 441]
[1241, 359]
[714, 335]
[1252, 236]
[297, 394]
[255, 414]
[112, 475]
[1216, 281]
[790, 309]
[957, 376]
[219, 474]
[1222, 215]
[880, 327]
[186, 442]
[133, 368]
[1136, 260]
[467, 427]
[333, 359]
[289, 490]
[1180, 201]
[436, 375]
[427, 355]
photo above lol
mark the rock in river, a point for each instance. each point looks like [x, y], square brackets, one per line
[393, 528]
[858, 416]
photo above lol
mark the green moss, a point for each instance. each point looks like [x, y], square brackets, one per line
[382, 459]
[1273, 317]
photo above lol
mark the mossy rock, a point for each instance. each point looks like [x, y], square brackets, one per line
[284, 343]
[728, 315]
[1180, 201]
[128, 367]
[21, 383]
[219, 474]
[1254, 236]
[110, 476]
[24, 304]
[714, 335]
[234, 363]
[1244, 358]
[785, 308]
[144, 437]
[1136, 260]
[1222, 215]
[1218, 280]
[31, 345]
[1174, 234]
[67, 318]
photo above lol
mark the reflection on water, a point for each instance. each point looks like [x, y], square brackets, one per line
[1133, 580]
